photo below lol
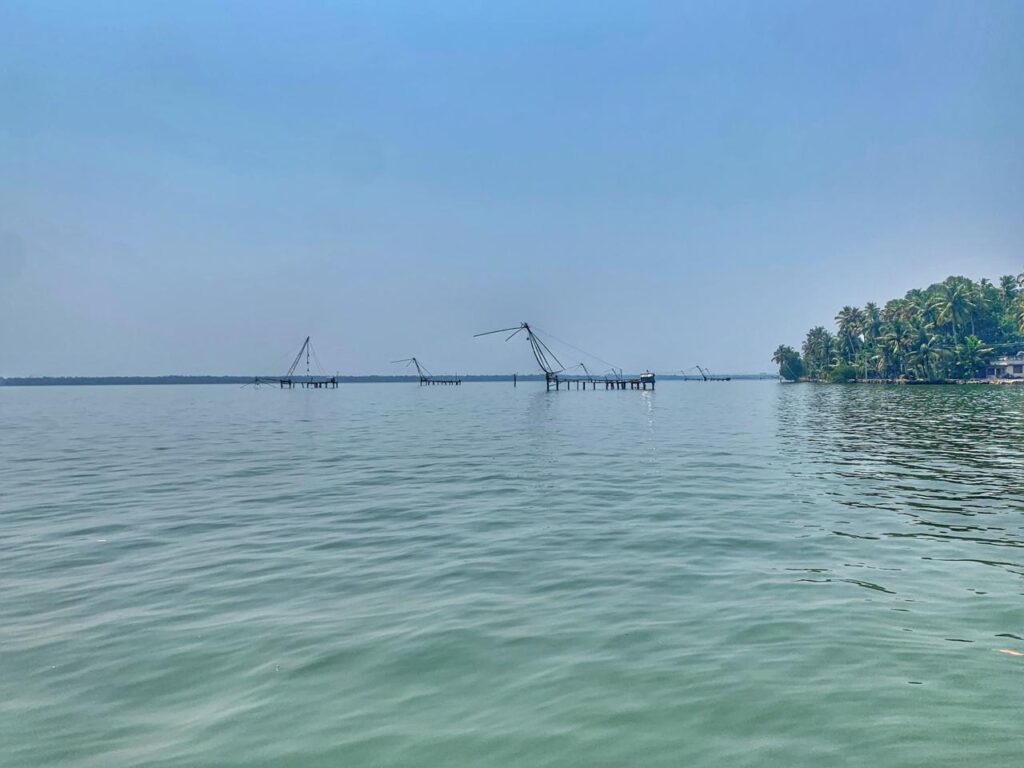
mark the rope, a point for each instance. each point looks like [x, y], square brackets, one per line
[316, 359]
[577, 349]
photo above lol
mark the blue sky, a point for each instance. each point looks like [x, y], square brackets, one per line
[194, 187]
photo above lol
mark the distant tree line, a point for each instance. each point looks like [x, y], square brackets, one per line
[950, 330]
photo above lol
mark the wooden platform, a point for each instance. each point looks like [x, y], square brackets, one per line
[330, 382]
[553, 381]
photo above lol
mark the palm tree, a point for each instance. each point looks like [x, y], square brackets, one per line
[990, 311]
[1020, 303]
[850, 321]
[916, 304]
[871, 322]
[782, 353]
[788, 360]
[947, 330]
[924, 358]
[818, 349]
[1009, 288]
[896, 342]
[881, 363]
[952, 300]
[972, 356]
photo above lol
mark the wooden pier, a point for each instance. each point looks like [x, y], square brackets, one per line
[705, 374]
[642, 382]
[555, 376]
[330, 382]
[309, 381]
[426, 377]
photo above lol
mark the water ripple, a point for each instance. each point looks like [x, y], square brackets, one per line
[748, 574]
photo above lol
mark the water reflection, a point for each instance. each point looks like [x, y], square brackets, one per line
[937, 465]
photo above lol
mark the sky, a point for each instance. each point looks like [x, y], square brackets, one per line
[194, 187]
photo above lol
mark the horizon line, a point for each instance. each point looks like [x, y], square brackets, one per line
[350, 378]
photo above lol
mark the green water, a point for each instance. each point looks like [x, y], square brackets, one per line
[741, 574]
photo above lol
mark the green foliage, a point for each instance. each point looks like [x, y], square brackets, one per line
[970, 357]
[818, 352]
[949, 330]
[791, 367]
[850, 322]
[842, 373]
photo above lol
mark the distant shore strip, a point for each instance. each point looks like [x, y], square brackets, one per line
[63, 381]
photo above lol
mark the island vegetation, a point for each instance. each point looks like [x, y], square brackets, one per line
[949, 331]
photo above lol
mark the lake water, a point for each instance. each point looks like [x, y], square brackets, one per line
[727, 574]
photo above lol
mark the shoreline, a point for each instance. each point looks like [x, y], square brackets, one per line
[80, 381]
[910, 383]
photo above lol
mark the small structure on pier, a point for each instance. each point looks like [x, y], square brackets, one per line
[426, 377]
[309, 381]
[555, 374]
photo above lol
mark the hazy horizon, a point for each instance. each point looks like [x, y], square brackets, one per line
[193, 189]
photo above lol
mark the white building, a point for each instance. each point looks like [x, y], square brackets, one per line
[1006, 367]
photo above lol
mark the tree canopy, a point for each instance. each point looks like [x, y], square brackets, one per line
[950, 330]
